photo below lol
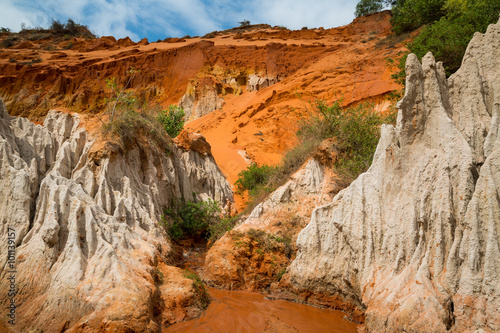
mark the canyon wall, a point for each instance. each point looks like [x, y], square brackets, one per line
[90, 252]
[415, 240]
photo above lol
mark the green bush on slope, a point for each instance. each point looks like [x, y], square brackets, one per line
[447, 25]
[356, 129]
[172, 120]
[448, 38]
[196, 219]
[409, 15]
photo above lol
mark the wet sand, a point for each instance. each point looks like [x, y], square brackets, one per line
[237, 311]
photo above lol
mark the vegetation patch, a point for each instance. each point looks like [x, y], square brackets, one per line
[264, 256]
[9, 41]
[196, 219]
[448, 37]
[356, 130]
[199, 287]
[447, 26]
[190, 218]
[172, 120]
[130, 125]
[223, 225]
[56, 32]
[254, 178]
[70, 28]
[130, 120]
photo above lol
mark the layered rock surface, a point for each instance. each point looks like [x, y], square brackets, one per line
[200, 102]
[414, 241]
[91, 254]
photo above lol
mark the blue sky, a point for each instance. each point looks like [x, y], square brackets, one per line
[158, 19]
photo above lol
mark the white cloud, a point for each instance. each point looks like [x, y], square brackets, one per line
[295, 14]
[169, 18]
[12, 15]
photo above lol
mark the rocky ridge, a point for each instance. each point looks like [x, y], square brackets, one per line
[91, 254]
[414, 241]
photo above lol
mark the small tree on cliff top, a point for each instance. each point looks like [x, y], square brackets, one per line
[244, 23]
[365, 7]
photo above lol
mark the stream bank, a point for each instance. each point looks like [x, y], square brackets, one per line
[241, 311]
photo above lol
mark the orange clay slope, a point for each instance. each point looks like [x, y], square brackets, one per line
[259, 126]
[348, 63]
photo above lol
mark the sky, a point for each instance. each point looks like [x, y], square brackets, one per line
[159, 19]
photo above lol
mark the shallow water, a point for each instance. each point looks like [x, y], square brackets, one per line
[237, 311]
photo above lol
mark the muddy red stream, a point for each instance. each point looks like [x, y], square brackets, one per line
[237, 311]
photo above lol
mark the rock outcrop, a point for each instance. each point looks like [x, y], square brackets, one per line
[200, 102]
[257, 82]
[415, 240]
[90, 252]
[254, 253]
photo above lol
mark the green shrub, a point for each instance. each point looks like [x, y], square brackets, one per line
[266, 241]
[254, 177]
[129, 125]
[399, 76]
[70, 28]
[57, 26]
[119, 98]
[172, 120]
[219, 227]
[409, 15]
[244, 23]
[367, 7]
[158, 276]
[295, 157]
[8, 42]
[190, 218]
[448, 38]
[448, 26]
[281, 273]
[356, 129]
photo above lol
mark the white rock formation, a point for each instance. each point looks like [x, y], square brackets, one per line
[415, 240]
[257, 82]
[200, 102]
[87, 225]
